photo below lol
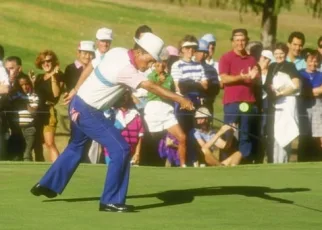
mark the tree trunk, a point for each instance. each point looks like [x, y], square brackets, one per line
[269, 24]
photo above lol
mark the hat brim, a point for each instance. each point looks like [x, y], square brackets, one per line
[137, 41]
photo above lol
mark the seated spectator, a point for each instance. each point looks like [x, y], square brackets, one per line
[85, 54]
[189, 79]
[282, 86]
[212, 91]
[23, 104]
[159, 112]
[311, 105]
[207, 140]
[13, 66]
[48, 88]
[129, 122]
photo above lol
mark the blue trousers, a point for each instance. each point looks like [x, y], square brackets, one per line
[245, 123]
[92, 124]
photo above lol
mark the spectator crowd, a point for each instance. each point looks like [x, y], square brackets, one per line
[272, 99]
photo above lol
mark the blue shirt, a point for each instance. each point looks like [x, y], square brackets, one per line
[311, 80]
[198, 134]
[298, 62]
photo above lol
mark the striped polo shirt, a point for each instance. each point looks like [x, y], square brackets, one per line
[20, 103]
[182, 70]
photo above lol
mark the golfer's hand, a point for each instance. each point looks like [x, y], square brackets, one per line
[68, 96]
[186, 104]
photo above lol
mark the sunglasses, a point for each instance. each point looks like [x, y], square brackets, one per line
[47, 61]
[320, 46]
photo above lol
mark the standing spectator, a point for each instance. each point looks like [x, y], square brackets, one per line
[189, 79]
[173, 57]
[254, 48]
[23, 104]
[238, 72]
[85, 54]
[13, 66]
[320, 49]
[296, 42]
[159, 113]
[282, 85]
[48, 88]
[104, 37]
[311, 107]
[211, 39]
[4, 89]
[212, 91]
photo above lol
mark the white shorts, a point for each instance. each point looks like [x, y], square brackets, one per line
[159, 116]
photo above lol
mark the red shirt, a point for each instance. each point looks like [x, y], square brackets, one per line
[232, 64]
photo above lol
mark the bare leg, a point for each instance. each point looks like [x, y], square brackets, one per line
[177, 132]
[233, 159]
[210, 158]
[51, 146]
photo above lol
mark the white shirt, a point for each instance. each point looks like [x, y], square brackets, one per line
[98, 58]
[4, 78]
[182, 70]
[105, 85]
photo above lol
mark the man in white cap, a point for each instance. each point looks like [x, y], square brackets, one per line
[95, 92]
[104, 37]
[85, 54]
[211, 39]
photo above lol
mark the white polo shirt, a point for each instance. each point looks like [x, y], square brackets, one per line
[105, 85]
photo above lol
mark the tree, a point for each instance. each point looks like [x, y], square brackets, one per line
[269, 10]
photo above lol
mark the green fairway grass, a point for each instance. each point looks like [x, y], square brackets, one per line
[245, 197]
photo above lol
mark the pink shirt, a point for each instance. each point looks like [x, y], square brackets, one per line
[233, 64]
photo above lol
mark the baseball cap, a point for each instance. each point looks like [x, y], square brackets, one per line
[87, 46]
[268, 54]
[239, 31]
[209, 38]
[151, 44]
[203, 45]
[104, 34]
[202, 112]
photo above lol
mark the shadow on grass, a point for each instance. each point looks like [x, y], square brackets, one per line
[178, 197]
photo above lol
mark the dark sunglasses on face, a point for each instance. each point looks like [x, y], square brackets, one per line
[320, 46]
[47, 61]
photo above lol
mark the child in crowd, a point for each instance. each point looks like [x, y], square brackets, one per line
[23, 104]
[159, 112]
[129, 121]
[205, 140]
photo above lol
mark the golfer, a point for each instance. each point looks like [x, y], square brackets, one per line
[95, 92]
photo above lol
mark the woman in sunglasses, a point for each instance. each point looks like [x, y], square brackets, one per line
[48, 87]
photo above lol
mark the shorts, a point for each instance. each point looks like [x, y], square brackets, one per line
[48, 121]
[159, 116]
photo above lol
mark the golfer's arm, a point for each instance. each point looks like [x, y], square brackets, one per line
[85, 74]
[160, 91]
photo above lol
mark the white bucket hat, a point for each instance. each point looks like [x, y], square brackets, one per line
[87, 46]
[151, 44]
[104, 34]
[202, 112]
